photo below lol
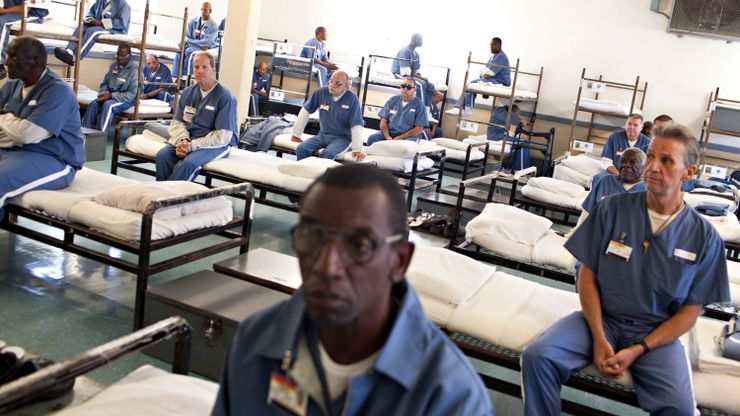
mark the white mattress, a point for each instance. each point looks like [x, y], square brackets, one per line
[727, 227]
[699, 195]
[283, 140]
[555, 192]
[143, 144]
[150, 391]
[152, 41]
[392, 163]
[606, 106]
[392, 81]
[494, 147]
[499, 90]
[457, 150]
[50, 27]
[76, 204]
[565, 173]
[258, 167]
[146, 108]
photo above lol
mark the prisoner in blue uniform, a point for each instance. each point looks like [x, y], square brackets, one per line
[401, 364]
[41, 143]
[117, 92]
[204, 127]
[12, 13]
[260, 85]
[497, 73]
[407, 63]
[645, 279]
[316, 48]
[631, 136]
[104, 16]
[604, 184]
[340, 120]
[401, 120]
[200, 35]
[155, 71]
[498, 117]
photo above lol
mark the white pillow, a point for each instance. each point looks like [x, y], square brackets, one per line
[550, 250]
[558, 186]
[152, 136]
[733, 271]
[445, 275]
[586, 165]
[150, 391]
[138, 196]
[394, 148]
[309, 168]
[508, 223]
[451, 144]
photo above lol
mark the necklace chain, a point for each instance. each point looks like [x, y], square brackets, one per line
[646, 243]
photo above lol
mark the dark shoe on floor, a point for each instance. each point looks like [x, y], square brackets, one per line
[3, 72]
[64, 56]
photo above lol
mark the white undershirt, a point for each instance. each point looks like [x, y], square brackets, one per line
[660, 220]
[628, 186]
[631, 143]
[338, 375]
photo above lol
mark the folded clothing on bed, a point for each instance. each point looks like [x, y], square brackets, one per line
[698, 196]
[150, 391]
[713, 209]
[137, 197]
[555, 192]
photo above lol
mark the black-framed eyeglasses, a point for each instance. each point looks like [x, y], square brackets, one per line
[408, 87]
[357, 246]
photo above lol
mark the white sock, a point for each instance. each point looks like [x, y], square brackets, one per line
[70, 51]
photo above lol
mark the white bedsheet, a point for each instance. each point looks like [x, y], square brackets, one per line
[555, 192]
[391, 163]
[150, 391]
[283, 140]
[457, 150]
[550, 250]
[508, 222]
[76, 203]
[727, 227]
[498, 90]
[50, 27]
[571, 175]
[152, 41]
[258, 167]
[709, 357]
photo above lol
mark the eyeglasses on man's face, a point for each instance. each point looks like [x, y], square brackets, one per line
[357, 246]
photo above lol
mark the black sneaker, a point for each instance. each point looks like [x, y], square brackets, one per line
[3, 72]
[64, 56]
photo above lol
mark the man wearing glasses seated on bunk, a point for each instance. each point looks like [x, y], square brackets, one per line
[631, 136]
[353, 340]
[340, 121]
[407, 64]
[403, 117]
[316, 48]
[117, 92]
[11, 13]
[105, 16]
[499, 74]
[156, 72]
[204, 127]
[649, 264]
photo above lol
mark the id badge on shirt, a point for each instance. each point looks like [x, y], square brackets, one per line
[393, 112]
[286, 394]
[188, 114]
[324, 107]
[619, 250]
[197, 34]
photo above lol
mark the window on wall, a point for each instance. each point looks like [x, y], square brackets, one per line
[713, 18]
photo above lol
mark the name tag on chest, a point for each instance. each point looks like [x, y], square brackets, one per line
[209, 108]
[285, 393]
[324, 107]
[32, 103]
[393, 112]
[188, 114]
[619, 250]
[683, 254]
[345, 107]
[121, 79]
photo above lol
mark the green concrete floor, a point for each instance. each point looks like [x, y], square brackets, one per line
[58, 304]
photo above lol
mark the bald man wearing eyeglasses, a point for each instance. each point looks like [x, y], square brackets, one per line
[353, 340]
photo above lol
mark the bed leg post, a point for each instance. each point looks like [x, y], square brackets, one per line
[441, 173]
[143, 270]
[181, 355]
[116, 148]
[248, 214]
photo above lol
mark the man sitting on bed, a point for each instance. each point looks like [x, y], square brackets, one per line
[340, 121]
[200, 35]
[631, 136]
[11, 13]
[649, 264]
[353, 340]
[105, 16]
[316, 48]
[155, 71]
[499, 74]
[204, 127]
[403, 116]
[41, 143]
[117, 92]
[407, 63]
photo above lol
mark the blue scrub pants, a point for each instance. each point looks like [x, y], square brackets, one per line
[255, 101]
[164, 96]
[171, 167]
[100, 116]
[661, 376]
[6, 21]
[378, 137]
[332, 146]
[187, 61]
[22, 171]
[90, 35]
[323, 76]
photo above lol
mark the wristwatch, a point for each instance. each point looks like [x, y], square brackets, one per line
[643, 344]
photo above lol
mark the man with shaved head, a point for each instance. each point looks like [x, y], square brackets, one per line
[201, 35]
[158, 74]
[260, 84]
[117, 91]
[407, 64]
[41, 143]
[340, 119]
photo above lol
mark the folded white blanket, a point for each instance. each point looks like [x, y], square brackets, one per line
[137, 197]
[710, 358]
[587, 165]
[154, 103]
[457, 150]
[309, 168]
[558, 186]
[550, 250]
[392, 163]
[565, 173]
